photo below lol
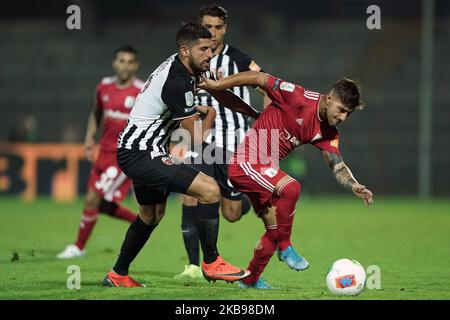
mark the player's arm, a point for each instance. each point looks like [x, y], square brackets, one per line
[198, 129]
[247, 78]
[253, 66]
[93, 123]
[345, 177]
[233, 102]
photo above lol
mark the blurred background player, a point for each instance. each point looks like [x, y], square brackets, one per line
[227, 60]
[299, 117]
[107, 185]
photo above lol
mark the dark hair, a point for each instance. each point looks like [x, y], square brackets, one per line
[349, 93]
[126, 48]
[213, 10]
[191, 32]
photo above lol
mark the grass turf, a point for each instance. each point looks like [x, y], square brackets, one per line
[407, 238]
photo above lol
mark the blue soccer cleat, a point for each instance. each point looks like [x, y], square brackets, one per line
[292, 259]
[260, 284]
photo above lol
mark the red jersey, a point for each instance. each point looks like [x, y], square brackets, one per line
[291, 120]
[116, 103]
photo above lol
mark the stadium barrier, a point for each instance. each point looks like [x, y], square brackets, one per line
[29, 170]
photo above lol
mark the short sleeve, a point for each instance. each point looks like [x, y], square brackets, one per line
[330, 141]
[178, 95]
[283, 93]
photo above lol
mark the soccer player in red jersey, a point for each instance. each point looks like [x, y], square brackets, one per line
[107, 185]
[296, 116]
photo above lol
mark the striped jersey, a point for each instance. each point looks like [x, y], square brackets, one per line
[229, 61]
[166, 98]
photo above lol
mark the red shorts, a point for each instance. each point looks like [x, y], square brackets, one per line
[258, 182]
[107, 179]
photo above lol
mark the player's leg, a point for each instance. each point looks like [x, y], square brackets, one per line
[233, 210]
[206, 191]
[89, 218]
[136, 237]
[287, 192]
[189, 224]
[234, 204]
[262, 252]
[115, 210]
[190, 238]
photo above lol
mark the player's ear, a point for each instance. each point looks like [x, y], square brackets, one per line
[184, 51]
[224, 28]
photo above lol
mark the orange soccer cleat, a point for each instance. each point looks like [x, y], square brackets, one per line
[113, 279]
[222, 270]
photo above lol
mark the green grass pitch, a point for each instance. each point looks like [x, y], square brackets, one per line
[408, 239]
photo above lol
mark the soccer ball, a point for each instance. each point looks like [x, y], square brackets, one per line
[346, 278]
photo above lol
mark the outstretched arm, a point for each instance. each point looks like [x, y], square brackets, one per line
[345, 177]
[247, 78]
[233, 102]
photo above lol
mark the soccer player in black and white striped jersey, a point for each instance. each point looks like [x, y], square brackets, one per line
[166, 102]
[229, 130]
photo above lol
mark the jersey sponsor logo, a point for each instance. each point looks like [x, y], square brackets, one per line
[286, 86]
[129, 102]
[167, 161]
[334, 143]
[189, 97]
[291, 138]
[299, 121]
[318, 136]
[115, 114]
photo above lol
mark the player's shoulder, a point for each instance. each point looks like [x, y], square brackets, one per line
[106, 82]
[178, 76]
[138, 83]
[109, 80]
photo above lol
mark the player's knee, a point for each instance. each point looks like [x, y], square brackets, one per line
[151, 215]
[232, 214]
[291, 190]
[189, 201]
[92, 200]
[210, 192]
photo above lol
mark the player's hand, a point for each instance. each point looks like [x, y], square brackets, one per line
[363, 193]
[89, 149]
[202, 109]
[207, 84]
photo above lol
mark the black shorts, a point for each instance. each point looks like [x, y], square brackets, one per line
[218, 171]
[154, 179]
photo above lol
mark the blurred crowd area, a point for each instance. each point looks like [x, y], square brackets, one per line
[49, 73]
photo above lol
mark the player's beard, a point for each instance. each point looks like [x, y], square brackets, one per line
[201, 67]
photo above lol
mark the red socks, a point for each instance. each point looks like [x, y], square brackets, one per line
[285, 209]
[264, 250]
[87, 223]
